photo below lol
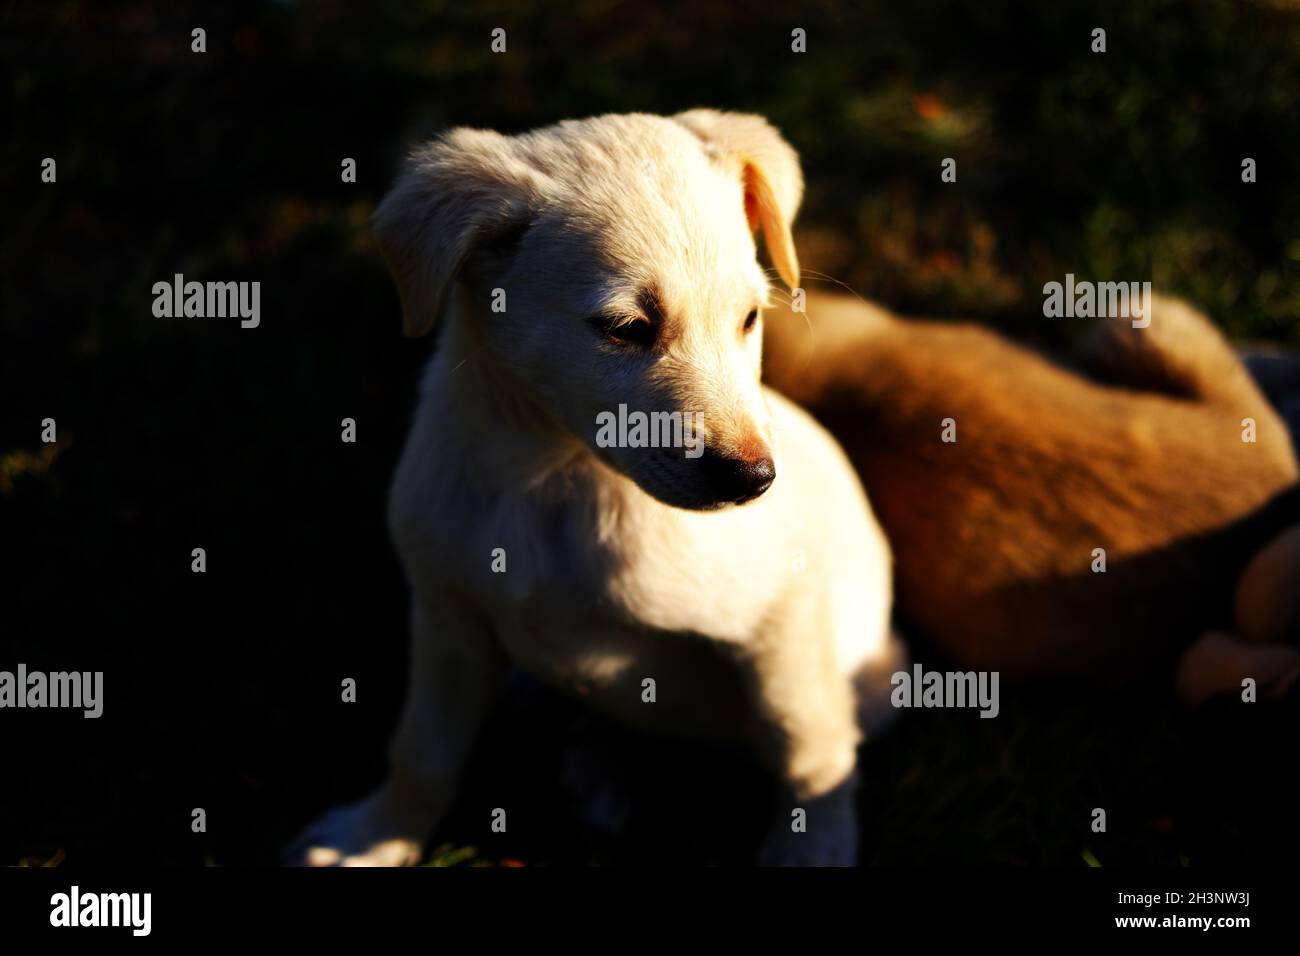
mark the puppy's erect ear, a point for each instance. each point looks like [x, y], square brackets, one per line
[770, 173]
[460, 192]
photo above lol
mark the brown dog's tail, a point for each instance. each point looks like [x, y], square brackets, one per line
[1179, 352]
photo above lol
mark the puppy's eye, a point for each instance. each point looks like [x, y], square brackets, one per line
[751, 320]
[625, 329]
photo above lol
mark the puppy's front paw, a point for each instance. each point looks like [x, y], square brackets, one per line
[376, 831]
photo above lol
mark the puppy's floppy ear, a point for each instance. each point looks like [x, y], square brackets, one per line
[770, 172]
[465, 189]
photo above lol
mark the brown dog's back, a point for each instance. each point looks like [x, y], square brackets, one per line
[995, 533]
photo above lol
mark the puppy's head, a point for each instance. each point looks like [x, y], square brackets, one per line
[609, 278]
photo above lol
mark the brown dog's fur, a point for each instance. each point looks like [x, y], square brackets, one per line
[994, 534]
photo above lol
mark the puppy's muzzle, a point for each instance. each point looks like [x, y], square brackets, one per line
[737, 480]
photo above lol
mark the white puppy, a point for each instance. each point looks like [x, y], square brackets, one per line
[576, 269]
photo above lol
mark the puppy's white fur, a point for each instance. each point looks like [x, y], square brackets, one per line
[764, 622]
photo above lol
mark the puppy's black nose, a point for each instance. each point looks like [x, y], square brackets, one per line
[737, 479]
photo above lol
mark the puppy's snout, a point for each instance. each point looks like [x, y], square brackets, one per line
[738, 479]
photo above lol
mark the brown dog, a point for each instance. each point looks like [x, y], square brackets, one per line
[1001, 535]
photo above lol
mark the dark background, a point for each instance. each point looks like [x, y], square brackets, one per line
[222, 689]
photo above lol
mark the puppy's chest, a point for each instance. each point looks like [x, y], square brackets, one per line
[577, 594]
